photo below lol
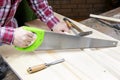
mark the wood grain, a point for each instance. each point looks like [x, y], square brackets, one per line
[87, 64]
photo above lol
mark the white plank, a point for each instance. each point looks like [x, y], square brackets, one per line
[106, 61]
[105, 18]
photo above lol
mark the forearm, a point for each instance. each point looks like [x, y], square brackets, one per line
[6, 35]
[44, 12]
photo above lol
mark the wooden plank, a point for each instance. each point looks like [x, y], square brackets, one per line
[105, 18]
[79, 65]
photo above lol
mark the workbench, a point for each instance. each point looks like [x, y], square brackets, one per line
[86, 64]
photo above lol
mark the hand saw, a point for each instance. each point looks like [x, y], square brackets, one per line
[46, 40]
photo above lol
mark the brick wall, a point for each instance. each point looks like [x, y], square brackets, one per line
[79, 8]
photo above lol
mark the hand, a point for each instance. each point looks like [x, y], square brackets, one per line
[22, 38]
[61, 27]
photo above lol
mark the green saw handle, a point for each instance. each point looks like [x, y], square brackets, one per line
[39, 39]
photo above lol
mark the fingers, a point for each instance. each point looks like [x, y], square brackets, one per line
[27, 40]
[61, 28]
[30, 40]
[27, 43]
[64, 28]
[22, 38]
[30, 34]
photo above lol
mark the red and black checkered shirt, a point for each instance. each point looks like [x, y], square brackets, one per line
[8, 23]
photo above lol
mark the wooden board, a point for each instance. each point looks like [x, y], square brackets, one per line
[87, 64]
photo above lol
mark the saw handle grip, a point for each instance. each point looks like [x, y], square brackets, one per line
[38, 41]
[37, 68]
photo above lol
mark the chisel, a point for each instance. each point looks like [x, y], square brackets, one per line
[71, 24]
[43, 66]
[116, 26]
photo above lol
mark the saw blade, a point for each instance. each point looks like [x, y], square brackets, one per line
[56, 41]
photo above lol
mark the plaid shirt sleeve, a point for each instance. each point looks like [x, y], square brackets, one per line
[7, 24]
[6, 35]
[44, 12]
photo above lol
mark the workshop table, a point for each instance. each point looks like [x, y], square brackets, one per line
[87, 64]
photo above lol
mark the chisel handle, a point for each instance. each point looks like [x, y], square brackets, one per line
[36, 68]
[68, 24]
[71, 24]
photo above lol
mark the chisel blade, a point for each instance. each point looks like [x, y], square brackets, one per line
[55, 62]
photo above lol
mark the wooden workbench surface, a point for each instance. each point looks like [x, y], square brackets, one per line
[87, 64]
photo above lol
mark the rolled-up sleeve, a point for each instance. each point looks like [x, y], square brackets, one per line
[44, 12]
